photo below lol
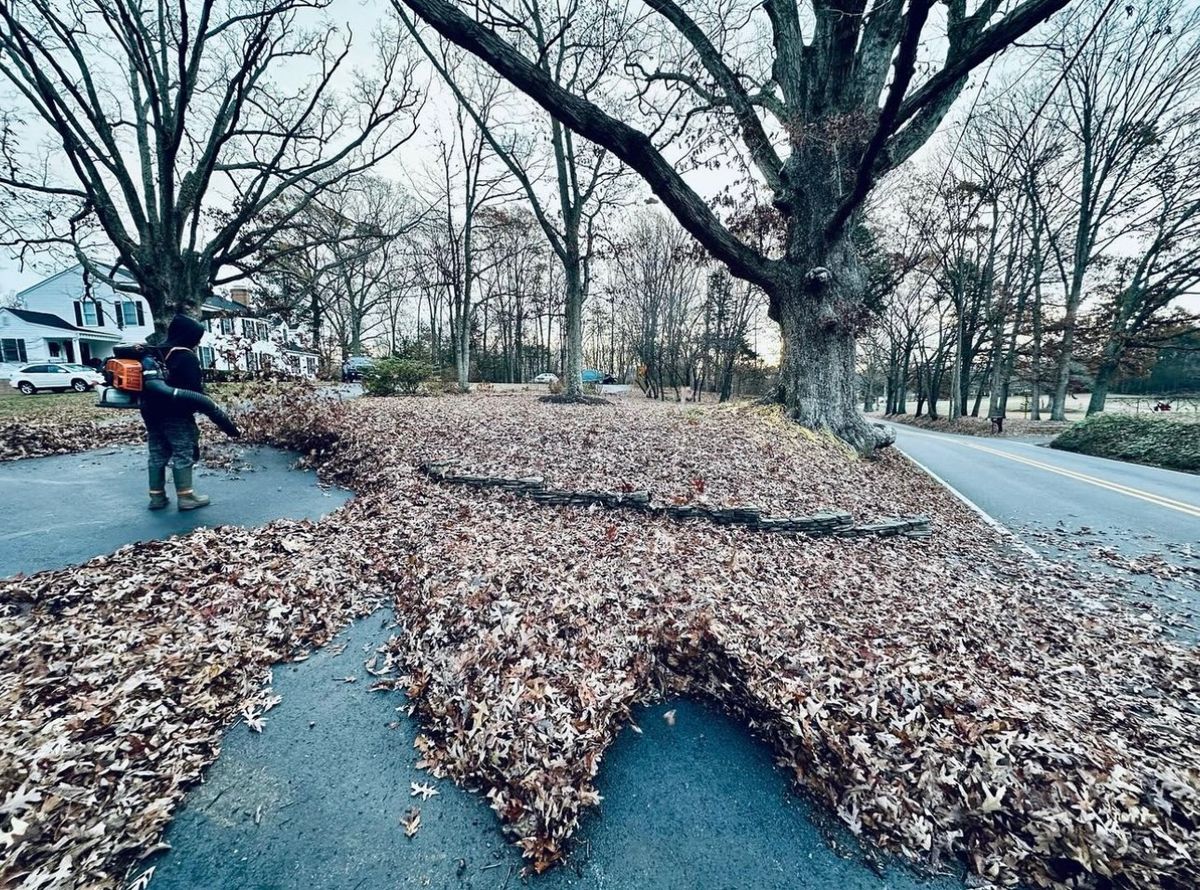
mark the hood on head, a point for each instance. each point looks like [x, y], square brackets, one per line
[185, 331]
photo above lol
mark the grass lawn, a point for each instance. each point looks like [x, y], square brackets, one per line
[64, 406]
[947, 698]
[1161, 440]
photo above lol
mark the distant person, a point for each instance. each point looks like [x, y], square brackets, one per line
[172, 436]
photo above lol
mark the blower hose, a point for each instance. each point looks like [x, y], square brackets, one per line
[197, 401]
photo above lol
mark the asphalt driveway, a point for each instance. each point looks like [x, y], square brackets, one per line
[62, 510]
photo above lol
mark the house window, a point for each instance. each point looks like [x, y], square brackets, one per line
[55, 349]
[89, 313]
[129, 313]
[265, 361]
[13, 351]
[264, 330]
[206, 357]
[251, 360]
[226, 325]
[248, 329]
[312, 365]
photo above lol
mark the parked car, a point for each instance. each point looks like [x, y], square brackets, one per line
[546, 377]
[31, 378]
[591, 375]
[353, 367]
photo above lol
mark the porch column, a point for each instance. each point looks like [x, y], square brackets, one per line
[77, 356]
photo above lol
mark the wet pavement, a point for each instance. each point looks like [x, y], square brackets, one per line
[62, 510]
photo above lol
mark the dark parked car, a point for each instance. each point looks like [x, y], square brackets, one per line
[353, 367]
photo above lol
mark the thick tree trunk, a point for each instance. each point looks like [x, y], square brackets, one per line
[573, 372]
[817, 374]
[1104, 376]
[180, 287]
[1062, 373]
[1109, 362]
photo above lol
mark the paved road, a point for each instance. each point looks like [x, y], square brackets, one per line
[1061, 503]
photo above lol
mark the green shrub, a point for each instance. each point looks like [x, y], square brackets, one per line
[1141, 438]
[396, 376]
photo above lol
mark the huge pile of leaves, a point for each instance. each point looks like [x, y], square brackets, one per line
[118, 677]
[21, 438]
[945, 699]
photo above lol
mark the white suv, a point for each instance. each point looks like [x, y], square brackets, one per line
[31, 378]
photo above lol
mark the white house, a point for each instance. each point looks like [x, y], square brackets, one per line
[238, 340]
[71, 318]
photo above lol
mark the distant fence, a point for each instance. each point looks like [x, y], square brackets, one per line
[1153, 404]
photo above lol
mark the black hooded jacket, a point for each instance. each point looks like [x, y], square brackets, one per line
[183, 367]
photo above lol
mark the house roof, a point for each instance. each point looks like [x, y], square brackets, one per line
[78, 267]
[220, 304]
[304, 350]
[49, 320]
[45, 319]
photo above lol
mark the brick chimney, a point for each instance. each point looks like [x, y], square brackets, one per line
[240, 295]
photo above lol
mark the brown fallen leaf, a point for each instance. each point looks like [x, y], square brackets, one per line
[411, 820]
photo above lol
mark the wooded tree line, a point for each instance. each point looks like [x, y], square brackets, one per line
[1049, 251]
[459, 275]
[238, 139]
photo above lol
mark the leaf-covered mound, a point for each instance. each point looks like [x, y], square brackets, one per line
[1161, 441]
[21, 438]
[942, 698]
[945, 699]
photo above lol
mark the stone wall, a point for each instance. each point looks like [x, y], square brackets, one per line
[815, 525]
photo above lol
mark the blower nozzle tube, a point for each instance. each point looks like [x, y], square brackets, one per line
[197, 401]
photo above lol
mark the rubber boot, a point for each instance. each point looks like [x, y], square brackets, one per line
[158, 489]
[188, 499]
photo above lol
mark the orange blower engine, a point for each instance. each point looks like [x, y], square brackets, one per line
[123, 378]
[138, 373]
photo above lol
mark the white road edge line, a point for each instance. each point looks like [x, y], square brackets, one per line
[1157, 500]
[990, 520]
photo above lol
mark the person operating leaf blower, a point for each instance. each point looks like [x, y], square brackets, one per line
[169, 414]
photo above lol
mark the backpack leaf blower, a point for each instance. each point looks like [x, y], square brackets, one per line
[138, 373]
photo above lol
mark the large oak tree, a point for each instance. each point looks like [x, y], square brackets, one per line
[189, 133]
[820, 122]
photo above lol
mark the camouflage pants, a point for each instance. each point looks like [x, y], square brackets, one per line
[174, 441]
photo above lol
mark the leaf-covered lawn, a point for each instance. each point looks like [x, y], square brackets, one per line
[945, 698]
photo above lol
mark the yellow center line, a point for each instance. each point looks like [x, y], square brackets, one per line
[1156, 499]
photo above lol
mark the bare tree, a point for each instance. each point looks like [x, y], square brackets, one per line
[575, 45]
[181, 140]
[464, 186]
[1135, 308]
[658, 276]
[728, 308]
[1133, 88]
[828, 98]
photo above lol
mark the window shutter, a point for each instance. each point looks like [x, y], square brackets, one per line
[24, 357]
[141, 315]
[99, 314]
[78, 314]
[119, 311]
